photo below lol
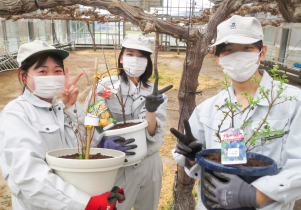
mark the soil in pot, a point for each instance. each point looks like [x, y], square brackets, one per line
[123, 125]
[91, 156]
[251, 162]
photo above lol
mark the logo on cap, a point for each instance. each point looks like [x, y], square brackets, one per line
[45, 44]
[139, 39]
[233, 26]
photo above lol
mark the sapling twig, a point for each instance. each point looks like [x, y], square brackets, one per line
[73, 131]
[114, 51]
[85, 75]
[120, 100]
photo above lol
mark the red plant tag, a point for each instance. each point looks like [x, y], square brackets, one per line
[107, 93]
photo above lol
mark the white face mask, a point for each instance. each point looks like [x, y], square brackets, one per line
[48, 86]
[240, 66]
[134, 66]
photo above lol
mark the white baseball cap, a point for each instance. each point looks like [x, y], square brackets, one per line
[239, 30]
[138, 42]
[35, 47]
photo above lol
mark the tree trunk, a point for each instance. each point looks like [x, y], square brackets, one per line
[290, 10]
[196, 52]
[156, 55]
[183, 184]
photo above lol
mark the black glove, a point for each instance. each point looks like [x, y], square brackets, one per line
[153, 101]
[232, 194]
[187, 145]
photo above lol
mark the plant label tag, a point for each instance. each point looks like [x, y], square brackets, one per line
[106, 119]
[107, 93]
[233, 148]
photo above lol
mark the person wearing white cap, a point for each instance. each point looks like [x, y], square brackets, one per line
[142, 181]
[239, 49]
[36, 123]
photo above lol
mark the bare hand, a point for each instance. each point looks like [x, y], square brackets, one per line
[70, 91]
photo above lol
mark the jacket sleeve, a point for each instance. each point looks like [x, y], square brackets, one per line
[198, 132]
[285, 187]
[75, 124]
[22, 160]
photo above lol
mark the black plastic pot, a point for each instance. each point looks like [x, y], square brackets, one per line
[248, 174]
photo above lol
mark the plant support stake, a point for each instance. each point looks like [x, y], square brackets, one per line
[89, 127]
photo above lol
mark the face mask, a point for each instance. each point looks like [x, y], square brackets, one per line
[48, 86]
[134, 66]
[240, 66]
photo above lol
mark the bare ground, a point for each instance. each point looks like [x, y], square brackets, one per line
[84, 60]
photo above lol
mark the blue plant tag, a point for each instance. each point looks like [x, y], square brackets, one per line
[233, 148]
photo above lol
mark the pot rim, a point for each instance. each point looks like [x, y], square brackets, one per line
[130, 129]
[237, 170]
[54, 161]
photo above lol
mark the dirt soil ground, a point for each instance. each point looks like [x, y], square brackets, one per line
[84, 60]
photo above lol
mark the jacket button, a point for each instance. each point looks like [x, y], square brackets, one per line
[196, 174]
[59, 108]
[74, 111]
[47, 129]
[50, 109]
[141, 98]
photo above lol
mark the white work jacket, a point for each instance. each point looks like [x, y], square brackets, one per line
[29, 128]
[134, 108]
[285, 186]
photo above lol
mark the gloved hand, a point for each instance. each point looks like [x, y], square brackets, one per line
[154, 100]
[187, 145]
[119, 143]
[106, 201]
[234, 193]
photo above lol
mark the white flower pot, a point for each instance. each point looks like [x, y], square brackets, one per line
[137, 132]
[94, 177]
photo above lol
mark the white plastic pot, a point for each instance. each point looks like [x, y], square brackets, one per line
[94, 177]
[137, 132]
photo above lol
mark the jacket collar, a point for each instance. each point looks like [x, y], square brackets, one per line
[127, 91]
[266, 82]
[34, 100]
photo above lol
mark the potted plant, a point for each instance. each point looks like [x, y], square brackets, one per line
[261, 134]
[135, 129]
[91, 171]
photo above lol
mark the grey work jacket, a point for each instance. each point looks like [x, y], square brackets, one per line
[134, 108]
[284, 187]
[29, 128]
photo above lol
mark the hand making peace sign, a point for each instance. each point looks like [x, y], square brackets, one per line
[70, 92]
[153, 101]
[187, 144]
